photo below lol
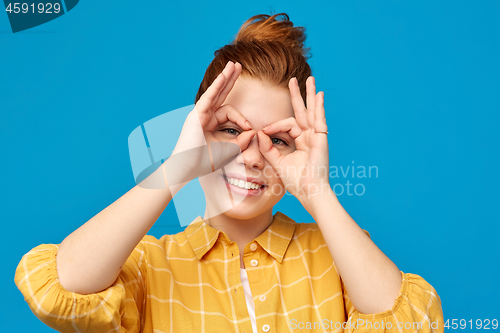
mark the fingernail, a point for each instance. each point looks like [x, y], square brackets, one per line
[266, 128]
[248, 124]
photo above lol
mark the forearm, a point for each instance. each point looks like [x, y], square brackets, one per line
[372, 280]
[90, 259]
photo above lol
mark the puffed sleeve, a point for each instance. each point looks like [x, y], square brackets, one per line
[417, 308]
[117, 308]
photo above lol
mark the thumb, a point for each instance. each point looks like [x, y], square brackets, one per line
[243, 140]
[222, 153]
[180, 169]
[270, 153]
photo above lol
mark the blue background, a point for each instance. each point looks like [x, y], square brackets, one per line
[410, 87]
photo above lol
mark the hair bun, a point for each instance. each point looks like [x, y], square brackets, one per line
[264, 27]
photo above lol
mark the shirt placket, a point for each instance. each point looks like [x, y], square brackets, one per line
[254, 258]
[237, 293]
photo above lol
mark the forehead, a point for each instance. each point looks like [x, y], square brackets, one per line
[259, 102]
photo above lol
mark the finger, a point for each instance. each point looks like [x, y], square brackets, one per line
[209, 97]
[311, 98]
[285, 125]
[267, 149]
[298, 103]
[206, 100]
[227, 113]
[244, 139]
[230, 84]
[228, 73]
[319, 117]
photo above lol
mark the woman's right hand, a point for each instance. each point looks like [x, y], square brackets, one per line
[197, 151]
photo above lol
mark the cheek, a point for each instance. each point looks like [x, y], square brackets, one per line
[222, 137]
[277, 180]
[288, 150]
[274, 180]
[276, 190]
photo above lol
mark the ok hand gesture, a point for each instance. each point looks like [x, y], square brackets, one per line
[304, 172]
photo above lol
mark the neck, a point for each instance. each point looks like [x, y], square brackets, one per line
[240, 231]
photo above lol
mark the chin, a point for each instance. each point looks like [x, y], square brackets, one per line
[245, 212]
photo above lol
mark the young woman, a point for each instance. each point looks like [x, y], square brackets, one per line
[240, 268]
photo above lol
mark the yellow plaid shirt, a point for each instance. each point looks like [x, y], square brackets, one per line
[190, 282]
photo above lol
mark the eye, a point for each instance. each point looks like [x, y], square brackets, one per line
[278, 141]
[231, 131]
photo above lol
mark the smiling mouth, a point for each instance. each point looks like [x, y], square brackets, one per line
[241, 184]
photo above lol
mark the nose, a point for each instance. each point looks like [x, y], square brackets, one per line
[251, 157]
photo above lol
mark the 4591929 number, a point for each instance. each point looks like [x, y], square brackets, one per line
[485, 324]
[41, 8]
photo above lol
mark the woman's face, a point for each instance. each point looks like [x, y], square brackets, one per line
[261, 104]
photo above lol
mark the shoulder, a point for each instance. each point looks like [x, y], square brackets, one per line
[301, 229]
[307, 230]
[305, 234]
[175, 243]
[308, 235]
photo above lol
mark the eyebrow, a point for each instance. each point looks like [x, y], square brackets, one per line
[229, 122]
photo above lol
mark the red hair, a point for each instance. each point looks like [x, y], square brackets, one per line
[268, 49]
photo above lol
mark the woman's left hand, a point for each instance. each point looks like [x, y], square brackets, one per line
[304, 172]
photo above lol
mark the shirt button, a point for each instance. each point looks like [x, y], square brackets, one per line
[262, 298]
[254, 262]
[253, 247]
[266, 328]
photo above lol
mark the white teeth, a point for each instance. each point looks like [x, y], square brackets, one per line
[243, 184]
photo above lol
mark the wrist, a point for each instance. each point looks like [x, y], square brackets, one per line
[313, 203]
